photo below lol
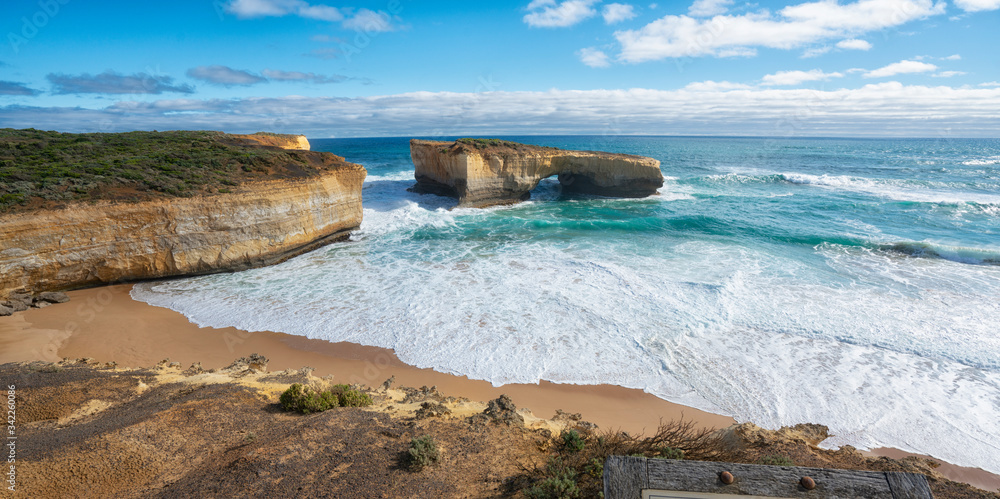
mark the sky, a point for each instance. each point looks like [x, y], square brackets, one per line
[914, 68]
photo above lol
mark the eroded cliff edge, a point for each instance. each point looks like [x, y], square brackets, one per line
[489, 172]
[315, 200]
[291, 142]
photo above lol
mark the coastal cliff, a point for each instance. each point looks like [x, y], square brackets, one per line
[267, 206]
[486, 172]
[289, 142]
[261, 224]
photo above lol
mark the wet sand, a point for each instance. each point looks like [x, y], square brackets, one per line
[108, 325]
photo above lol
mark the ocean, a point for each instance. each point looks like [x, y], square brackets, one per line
[853, 283]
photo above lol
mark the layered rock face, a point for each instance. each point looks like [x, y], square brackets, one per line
[261, 223]
[486, 173]
[293, 142]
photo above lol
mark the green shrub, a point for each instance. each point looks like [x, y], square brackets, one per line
[304, 399]
[670, 453]
[559, 483]
[777, 461]
[595, 468]
[354, 398]
[572, 441]
[423, 452]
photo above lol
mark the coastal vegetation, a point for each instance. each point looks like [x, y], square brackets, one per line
[47, 169]
[494, 144]
[559, 482]
[777, 460]
[307, 400]
[575, 468]
[423, 452]
[480, 143]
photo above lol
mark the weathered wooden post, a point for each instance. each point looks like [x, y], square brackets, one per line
[642, 478]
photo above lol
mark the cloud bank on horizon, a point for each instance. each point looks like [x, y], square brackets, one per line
[710, 67]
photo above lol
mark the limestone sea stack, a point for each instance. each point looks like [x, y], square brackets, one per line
[487, 172]
[256, 222]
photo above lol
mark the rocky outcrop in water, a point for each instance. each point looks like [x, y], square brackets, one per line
[482, 172]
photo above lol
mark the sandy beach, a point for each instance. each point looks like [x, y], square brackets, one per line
[108, 325]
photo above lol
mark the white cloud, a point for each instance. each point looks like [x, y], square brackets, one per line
[276, 8]
[369, 21]
[617, 12]
[792, 27]
[223, 75]
[715, 86]
[788, 78]
[549, 14]
[737, 52]
[362, 20]
[816, 52]
[854, 44]
[990, 84]
[321, 12]
[901, 67]
[594, 58]
[953, 57]
[948, 74]
[977, 5]
[709, 8]
[278, 75]
[889, 108]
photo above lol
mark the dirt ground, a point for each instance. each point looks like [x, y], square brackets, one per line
[94, 430]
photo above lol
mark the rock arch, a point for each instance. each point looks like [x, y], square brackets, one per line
[481, 172]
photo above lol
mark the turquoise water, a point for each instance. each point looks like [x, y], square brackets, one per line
[853, 283]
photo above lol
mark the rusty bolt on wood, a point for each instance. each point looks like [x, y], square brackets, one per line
[727, 477]
[807, 483]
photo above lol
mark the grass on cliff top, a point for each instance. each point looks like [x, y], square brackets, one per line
[40, 169]
[498, 143]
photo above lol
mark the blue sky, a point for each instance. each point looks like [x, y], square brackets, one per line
[399, 67]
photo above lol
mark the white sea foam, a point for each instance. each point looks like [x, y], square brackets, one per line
[899, 190]
[884, 349]
[992, 160]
